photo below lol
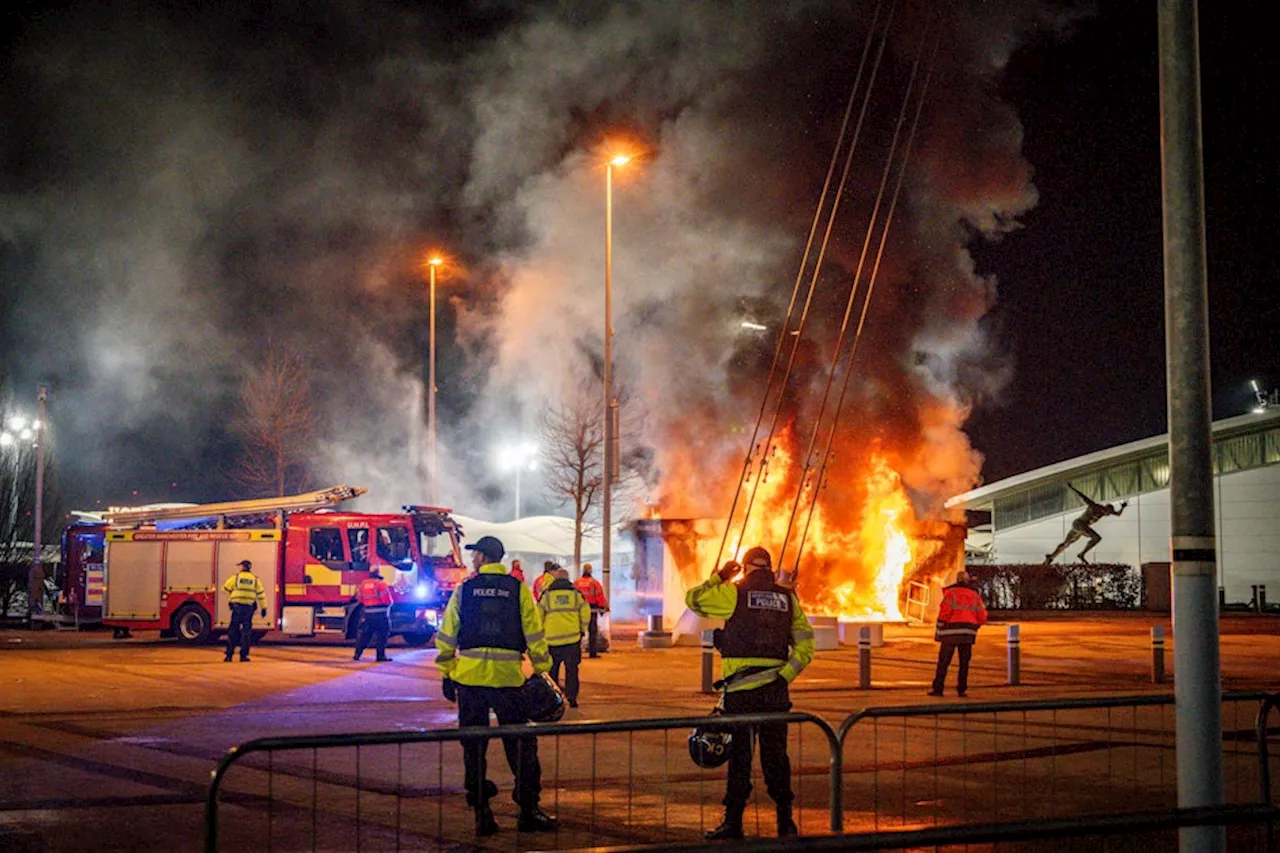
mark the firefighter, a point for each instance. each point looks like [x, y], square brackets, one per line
[244, 590]
[542, 581]
[765, 643]
[593, 592]
[959, 617]
[565, 618]
[517, 569]
[375, 624]
[491, 621]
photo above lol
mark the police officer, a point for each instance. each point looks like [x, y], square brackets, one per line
[375, 600]
[244, 590]
[593, 592]
[542, 581]
[765, 643]
[960, 615]
[489, 624]
[565, 618]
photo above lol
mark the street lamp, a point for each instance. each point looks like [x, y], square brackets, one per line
[610, 404]
[16, 431]
[432, 263]
[518, 457]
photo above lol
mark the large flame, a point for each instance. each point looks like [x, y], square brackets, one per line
[854, 566]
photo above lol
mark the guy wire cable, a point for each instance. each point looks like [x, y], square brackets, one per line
[836, 351]
[804, 262]
[924, 90]
[799, 331]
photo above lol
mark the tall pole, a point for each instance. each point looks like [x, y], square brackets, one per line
[34, 597]
[607, 479]
[431, 393]
[518, 467]
[1197, 675]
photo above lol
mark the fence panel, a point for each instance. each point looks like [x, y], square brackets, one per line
[925, 766]
[626, 782]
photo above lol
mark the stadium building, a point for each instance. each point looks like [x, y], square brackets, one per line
[1022, 519]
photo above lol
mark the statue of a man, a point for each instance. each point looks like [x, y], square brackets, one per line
[1083, 526]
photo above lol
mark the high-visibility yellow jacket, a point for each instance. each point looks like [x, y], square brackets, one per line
[565, 613]
[716, 599]
[245, 588]
[485, 667]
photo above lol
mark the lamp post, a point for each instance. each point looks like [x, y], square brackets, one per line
[13, 435]
[431, 388]
[519, 457]
[610, 404]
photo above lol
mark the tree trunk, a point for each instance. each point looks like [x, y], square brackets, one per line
[577, 539]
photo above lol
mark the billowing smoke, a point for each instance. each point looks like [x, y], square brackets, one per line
[182, 186]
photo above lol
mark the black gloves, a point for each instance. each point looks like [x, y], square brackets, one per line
[728, 570]
[450, 689]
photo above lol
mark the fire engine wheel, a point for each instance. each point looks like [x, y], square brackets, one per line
[417, 638]
[191, 625]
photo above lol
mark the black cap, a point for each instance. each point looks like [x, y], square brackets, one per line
[757, 558]
[490, 546]
[245, 563]
[375, 572]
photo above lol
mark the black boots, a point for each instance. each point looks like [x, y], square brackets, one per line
[485, 824]
[786, 826]
[730, 829]
[535, 820]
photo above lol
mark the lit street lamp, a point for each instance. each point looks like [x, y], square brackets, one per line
[18, 430]
[518, 457]
[610, 404]
[432, 263]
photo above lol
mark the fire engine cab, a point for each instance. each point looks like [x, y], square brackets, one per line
[164, 568]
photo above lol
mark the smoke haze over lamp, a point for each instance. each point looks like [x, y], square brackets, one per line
[517, 457]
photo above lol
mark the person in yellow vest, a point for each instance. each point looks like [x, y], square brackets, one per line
[565, 618]
[489, 625]
[765, 643]
[244, 590]
[542, 581]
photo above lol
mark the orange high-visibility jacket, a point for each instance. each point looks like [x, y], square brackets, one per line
[375, 595]
[593, 592]
[960, 615]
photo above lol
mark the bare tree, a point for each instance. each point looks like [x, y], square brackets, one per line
[276, 422]
[17, 506]
[571, 454]
[572, 448]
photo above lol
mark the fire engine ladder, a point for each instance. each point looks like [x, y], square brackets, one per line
[291, 503]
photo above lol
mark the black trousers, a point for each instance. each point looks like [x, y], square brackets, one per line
[240, 632]
[774, 696]
[945, 650]
[375, 627]
[593, 632]
[522, 752]
[571, 656]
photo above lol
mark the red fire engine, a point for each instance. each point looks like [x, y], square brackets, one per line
[165, 567]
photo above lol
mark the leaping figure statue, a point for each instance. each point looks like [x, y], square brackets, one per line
[1083, 526]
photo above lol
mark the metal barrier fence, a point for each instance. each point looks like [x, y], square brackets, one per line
[900, 770]
[935, 765]
[610, 782]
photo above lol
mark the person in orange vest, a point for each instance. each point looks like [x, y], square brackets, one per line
[960, 616]
[375, 624]
[593, 592]
[517, 571]
[544, 580]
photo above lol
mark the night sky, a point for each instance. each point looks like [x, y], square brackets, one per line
[180, 184]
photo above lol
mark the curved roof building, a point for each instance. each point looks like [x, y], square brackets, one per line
[1031, 513]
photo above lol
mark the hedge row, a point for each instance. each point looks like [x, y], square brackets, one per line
[1074, 586]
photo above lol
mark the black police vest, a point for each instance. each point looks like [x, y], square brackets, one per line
[489, 610]
[760, 626]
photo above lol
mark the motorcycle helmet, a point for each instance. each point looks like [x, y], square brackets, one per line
[541, 699]
[709, 747]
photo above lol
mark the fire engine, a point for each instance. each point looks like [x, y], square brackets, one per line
[165, 568]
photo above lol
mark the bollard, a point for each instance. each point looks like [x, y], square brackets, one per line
[655, 623]
[1262, 598]
[864, 658]
[708, 661]
[1157, 655]
[1014, 644]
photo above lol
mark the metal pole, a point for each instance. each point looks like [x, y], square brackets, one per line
[518, 467]
[864, 658]
[431, 398]
[1157, 655]
[607, 424]
[1197, 673]
[1014, 643]
[708, 661]
[34, 586]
